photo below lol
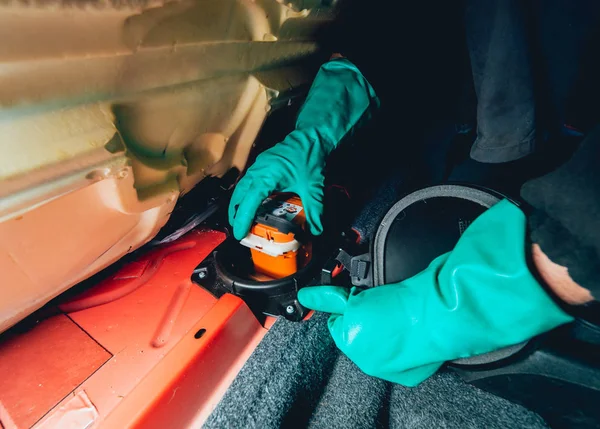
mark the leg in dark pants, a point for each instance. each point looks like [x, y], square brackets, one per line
[500, 61]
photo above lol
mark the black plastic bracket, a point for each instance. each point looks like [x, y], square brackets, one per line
[359, 267]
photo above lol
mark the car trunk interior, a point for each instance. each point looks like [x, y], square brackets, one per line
[124, 128]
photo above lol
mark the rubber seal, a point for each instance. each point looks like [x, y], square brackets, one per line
[442, 205]
[484, 198]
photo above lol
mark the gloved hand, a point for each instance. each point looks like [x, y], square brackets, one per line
[339, 98]
[478, 298]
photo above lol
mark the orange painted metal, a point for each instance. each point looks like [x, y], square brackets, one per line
[189, 382]
[6, 421]
[175, 347]
[75, 412]
[118, 287]
[41, 366]
[269, 322]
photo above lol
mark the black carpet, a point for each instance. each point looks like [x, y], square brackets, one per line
[298, 378]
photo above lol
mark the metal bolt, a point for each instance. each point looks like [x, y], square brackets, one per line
[290, 309]
[202, 274]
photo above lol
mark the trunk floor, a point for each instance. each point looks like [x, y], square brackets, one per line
[298, 378]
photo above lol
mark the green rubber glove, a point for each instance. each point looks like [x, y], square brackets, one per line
[339, 98]
[478, 298]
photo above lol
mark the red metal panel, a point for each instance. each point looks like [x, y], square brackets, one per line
[164, 371]
[40, 367]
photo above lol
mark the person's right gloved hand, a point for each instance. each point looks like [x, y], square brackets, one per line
[340, 97]
[478, 298]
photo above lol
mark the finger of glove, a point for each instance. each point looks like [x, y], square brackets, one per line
[246, 211]
[241, 189]
[328, 299]
[312, 201]
[335, 324]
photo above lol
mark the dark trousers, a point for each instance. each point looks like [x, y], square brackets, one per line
[502, 75]
[532, 62]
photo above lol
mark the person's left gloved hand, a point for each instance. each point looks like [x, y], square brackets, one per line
[339, 100]
[478, 298]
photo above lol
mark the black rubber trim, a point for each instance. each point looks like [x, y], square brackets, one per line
[491, 357]
[478, 196]
[484, 197]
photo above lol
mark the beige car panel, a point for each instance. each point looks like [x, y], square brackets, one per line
[109, 112]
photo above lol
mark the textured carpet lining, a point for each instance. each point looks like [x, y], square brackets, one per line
[298, 378]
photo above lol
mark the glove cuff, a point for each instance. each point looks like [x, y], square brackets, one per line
[339, 100]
